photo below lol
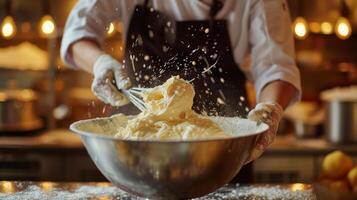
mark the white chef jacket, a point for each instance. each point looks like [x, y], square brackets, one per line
[259, 31]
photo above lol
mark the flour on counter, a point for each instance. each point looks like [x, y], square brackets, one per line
[259, 193]
[83, 192]
[231, 192]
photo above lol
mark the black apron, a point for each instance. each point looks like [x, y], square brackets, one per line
[199, 51]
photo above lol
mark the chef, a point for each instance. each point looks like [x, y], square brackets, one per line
[215, 44]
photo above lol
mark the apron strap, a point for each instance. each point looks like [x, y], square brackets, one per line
[215, 8]
[146, 3]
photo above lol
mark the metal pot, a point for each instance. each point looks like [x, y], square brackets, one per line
[341, 121]
[17, 110]
[305, 129]
[341, 115]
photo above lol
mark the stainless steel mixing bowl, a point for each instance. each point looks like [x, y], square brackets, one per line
[166, 169]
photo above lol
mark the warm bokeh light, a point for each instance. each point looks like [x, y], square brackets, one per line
[111, 29]
[104, 198]
[301, 30]
[297, 187]
[7, 187]
[315, 27]
[8, 27]
[103, 184]
[326, 28]
[47, 186]
[343, 28]
[47, 26]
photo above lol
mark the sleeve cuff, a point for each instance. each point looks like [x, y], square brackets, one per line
[286, 77]
[71, 38]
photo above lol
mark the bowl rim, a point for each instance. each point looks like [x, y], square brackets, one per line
[75, 130]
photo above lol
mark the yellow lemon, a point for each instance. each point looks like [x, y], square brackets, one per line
[352, 176]
[336, 165]
[339, 186]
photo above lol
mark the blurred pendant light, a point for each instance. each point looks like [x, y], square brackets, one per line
[47, 26]
[314, 27]
[343, 28]
[8, 26]
[326, 28]
[301, 29]
[300, 26]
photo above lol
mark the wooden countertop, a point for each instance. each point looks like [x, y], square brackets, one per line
[105, 190]
[290, 145]
[59, 138]
[65, 139]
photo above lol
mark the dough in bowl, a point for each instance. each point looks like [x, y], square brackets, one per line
[169, 115]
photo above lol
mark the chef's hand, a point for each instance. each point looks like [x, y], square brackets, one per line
[269, 113]
[109, 78]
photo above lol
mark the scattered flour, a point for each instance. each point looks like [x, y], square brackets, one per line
[259, 193]
[238, 126]
[232, 192]
[35, 192]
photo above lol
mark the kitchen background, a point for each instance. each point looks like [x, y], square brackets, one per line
[40, 96]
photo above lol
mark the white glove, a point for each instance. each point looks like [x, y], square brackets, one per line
[269, 113]
[109, 78]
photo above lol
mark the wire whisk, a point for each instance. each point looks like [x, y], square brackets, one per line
[134, 95]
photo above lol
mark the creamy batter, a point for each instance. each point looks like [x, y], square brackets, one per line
[169, 115]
